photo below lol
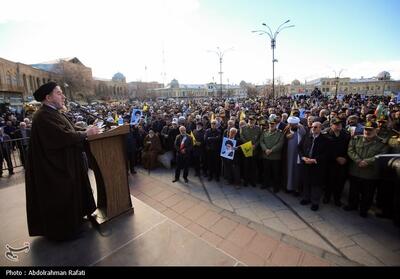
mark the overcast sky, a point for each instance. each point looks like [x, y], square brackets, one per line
[144, 39]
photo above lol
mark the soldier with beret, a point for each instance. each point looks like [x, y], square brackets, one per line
[363, 173]
[271, 142]
[252, 133]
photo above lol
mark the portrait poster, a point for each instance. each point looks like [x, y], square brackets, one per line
[228, 148]
[136, 116]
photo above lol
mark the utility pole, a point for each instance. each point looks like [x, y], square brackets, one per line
[220, 56]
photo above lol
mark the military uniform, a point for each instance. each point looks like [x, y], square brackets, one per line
[385, 134]
[250, 164]
[272, 162]
[388, 194]
[363, 179]
[384, 193]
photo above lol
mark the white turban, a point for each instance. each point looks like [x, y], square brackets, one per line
[293, 120]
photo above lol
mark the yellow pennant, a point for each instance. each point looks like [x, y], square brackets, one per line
[212, 117]
[242, 116]
[247, 149]
[193, 138]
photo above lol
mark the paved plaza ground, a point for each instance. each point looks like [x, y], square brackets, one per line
[205, 224]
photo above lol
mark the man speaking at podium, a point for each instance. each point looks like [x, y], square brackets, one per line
[58, 193]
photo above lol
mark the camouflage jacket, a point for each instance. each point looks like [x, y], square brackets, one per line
[361, 149]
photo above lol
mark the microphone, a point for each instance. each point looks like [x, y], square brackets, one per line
[86, 111]
[73, 104]
[76, 105]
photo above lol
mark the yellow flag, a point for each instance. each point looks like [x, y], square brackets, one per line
[247, 149]
[295, 106]
[212, 117]
[242, 116]
[145, 107]
[116, 118]
[193, 138]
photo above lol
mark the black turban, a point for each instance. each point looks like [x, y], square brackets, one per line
[44, 90]
[229, 142]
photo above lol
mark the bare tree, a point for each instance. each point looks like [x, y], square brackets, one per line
[77, 80]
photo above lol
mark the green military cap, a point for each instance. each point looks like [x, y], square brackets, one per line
[370, 125]
[336, 120]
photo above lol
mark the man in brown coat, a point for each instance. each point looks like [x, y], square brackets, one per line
[58, 193]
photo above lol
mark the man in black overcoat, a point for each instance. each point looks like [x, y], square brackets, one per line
[313, 151]
[58, 193]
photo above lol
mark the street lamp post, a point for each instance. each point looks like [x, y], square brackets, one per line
[273, 36]
[220, 56]
[337, 81]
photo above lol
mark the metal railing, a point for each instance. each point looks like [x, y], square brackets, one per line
[13, 153]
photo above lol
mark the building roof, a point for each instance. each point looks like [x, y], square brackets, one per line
[101, 79]
[361, 80]
[118, 77]
[49, 64]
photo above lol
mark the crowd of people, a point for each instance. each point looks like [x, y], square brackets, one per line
[305, 146]
[14, 136]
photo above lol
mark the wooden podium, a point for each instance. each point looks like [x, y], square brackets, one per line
[108, 159]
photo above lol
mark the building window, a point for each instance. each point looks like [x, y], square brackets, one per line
[25, 83]
[8, 78]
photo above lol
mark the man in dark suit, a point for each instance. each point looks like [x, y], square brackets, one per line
[313, 152]
[212, 141]
[183, 147]
[22, 134]
[5, 152]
